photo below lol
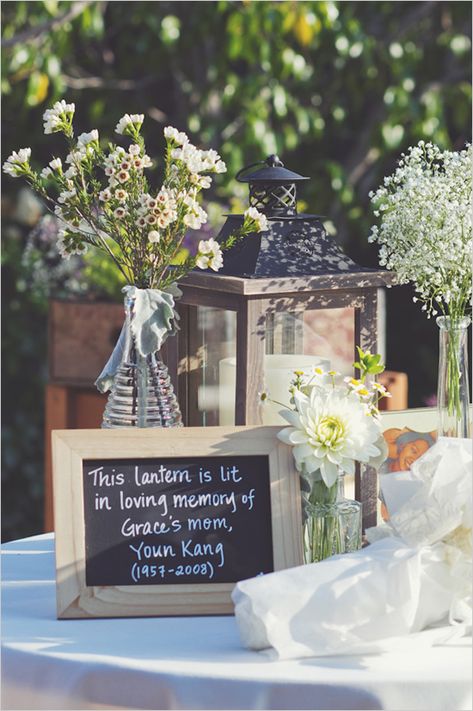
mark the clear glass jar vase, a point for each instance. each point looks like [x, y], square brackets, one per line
[332, 523]
[453, 400]
[141, 394]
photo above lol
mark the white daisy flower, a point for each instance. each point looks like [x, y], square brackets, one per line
[377, 387]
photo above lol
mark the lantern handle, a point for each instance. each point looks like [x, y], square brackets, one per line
[272, 161]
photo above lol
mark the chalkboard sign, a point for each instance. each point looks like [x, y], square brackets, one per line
[165, 522]
[174, 521]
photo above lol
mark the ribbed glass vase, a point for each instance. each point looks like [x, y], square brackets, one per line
[453, 399]
[332, 523]
[142, 394]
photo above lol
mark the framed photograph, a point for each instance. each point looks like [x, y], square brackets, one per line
[166, 521]
[408, 434]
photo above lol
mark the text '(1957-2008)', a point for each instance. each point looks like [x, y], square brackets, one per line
[176, 520]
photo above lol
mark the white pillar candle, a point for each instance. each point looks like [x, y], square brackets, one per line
[278, 373]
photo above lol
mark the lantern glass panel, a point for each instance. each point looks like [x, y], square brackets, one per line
[295, 340]
[211, 401]
[302, 340]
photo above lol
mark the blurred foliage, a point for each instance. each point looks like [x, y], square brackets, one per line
[23, 375]
[337, 89]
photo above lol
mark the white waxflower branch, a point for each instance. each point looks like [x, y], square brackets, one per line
[104, 200]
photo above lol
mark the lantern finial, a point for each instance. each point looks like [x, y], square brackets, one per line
[274, 161]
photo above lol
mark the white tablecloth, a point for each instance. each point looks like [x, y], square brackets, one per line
[193, 662]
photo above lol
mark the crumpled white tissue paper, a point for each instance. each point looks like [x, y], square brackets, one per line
[416, 574]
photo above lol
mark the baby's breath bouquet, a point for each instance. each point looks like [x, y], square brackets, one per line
[333, 423]
[425, 234]
[103, 198]
[101, 194]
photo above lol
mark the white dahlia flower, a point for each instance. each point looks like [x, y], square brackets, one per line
[331, 430]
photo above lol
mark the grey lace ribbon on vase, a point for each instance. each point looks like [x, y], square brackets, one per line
[154, 319]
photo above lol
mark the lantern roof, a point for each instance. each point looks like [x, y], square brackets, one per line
[273, 171]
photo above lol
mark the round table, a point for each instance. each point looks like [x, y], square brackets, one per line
[191, 662]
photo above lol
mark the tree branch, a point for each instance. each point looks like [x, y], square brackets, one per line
[102, 83]
[34, 34]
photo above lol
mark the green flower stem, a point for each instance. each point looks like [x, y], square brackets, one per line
[322, 530]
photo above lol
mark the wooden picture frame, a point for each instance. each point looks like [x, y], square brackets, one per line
[71, 448]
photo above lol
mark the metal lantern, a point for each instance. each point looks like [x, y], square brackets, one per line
[285, 299]
[296, 244]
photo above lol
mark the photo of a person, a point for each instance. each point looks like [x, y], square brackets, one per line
[404, 447]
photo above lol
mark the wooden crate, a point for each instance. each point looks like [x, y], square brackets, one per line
[82, 336]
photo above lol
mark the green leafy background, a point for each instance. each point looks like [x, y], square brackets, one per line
[337, 89]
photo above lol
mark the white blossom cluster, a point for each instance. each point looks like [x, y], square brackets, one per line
[54, 165]
[66, 195]
[159, 211]
[194, 216]
[59, 118]
[425, 228]
[209, 255]
[85, 139]
[120, 165]
[198, 161]
[70, 243]
[129, 124]
[256, 220]
[195, 160]
[141, 230]
[17, 163]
